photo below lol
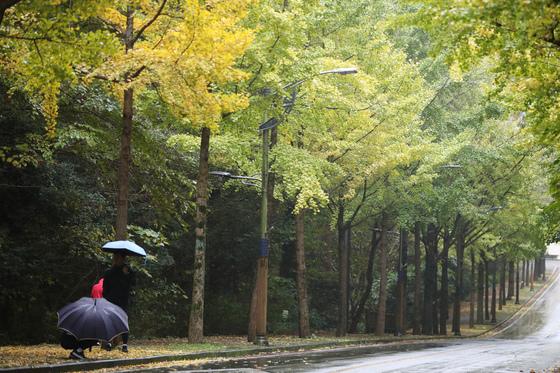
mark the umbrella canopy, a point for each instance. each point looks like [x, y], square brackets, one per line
[95, 319]
[124, 247]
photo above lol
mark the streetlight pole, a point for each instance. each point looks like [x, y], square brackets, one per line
[261, 337]
[262, 261]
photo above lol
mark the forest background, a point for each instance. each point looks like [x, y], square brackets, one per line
[394, 193]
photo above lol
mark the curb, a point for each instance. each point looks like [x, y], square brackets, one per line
[504, 324]
[100, 364]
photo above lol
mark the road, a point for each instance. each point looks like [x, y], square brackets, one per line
[530, 343]
[533, 342]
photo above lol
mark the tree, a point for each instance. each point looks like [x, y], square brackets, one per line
[172, 49]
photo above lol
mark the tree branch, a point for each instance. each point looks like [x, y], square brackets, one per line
[147, 24]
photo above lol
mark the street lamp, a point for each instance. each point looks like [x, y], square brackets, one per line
[261, 338]
[246, 180]
[451, 165]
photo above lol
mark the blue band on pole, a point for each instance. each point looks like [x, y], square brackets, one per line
[263, 247]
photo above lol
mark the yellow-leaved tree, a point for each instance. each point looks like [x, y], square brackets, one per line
[186, 51]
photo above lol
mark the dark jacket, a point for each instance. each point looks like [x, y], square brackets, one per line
[117, 285]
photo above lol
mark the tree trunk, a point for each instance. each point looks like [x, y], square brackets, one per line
[400, 326]
[494, 270]
[511, 280]
[480, 295]
[382, 299]
[126, 142]
[531, 265]
[124, 166]
[417, 282]
[523, 275]
[460, 247]
[503, 279]
[486, 290]
[517, 280]
[369, 282]
[197, 306]
[343, 262]
[303, 308]
[435, 306]
[499, 263]
[544, 269]
[429, 270]
[472, 290]
[444, 292]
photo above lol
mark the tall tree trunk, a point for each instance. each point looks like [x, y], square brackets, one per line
[494, 270]
[531, 265]
[500, 263]
[544, 269]
[444, 292]
[126, 141]
[523, 275]
[369, 282]
[517, 280]
[511, 280]
[382, 299]
[417, 282]
[472, 290]
[400, 325]
[460, 248]
[435, 307]
[429, 286]
[303, 308]
[197, 306]
[343, 262]
[486, 288]
[480, 295]
[503, 280]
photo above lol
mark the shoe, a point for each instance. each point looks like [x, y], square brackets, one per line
[124, 348]
[77, 355]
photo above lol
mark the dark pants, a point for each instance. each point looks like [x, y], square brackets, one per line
[69, 342]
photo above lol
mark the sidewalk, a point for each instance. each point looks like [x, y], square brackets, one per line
[172, 352]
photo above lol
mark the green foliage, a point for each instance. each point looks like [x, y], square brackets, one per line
[157, 308]
[408, 136]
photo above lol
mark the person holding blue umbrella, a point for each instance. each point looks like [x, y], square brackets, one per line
[119, 279]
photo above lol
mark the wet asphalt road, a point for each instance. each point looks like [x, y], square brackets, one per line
[532, 342]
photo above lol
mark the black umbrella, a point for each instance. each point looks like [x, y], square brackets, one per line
[96, 319]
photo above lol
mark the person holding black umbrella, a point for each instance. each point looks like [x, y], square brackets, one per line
[87, 321]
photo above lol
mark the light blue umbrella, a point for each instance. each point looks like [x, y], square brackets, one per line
[124, 247]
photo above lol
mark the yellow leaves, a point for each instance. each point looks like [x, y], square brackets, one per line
[455, 72]
[189, 55]
[50, 106]
[114, 17]
[472, 44]
[484, 31]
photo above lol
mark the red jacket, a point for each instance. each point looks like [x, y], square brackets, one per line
[97, 289]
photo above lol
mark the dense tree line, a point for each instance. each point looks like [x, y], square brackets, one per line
[394, 195]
